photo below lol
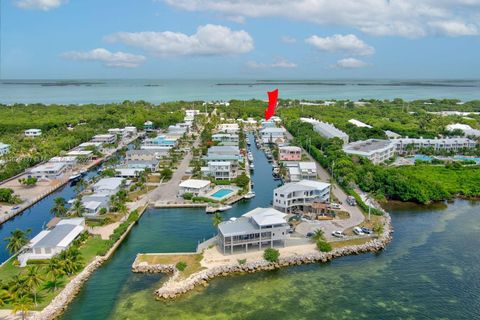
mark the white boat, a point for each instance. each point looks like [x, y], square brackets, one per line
[75, 176]
[212, 209]
[250, 158]
[249, 195]
[71, 201]
[252, 167]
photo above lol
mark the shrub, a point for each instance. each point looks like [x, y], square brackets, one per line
[271, 255]
[324, 246]
[242, 261]
[38, 261]
[187, 196]
[181, 265]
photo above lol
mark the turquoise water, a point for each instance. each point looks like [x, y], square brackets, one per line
[221, 193]
[463, 158]
[102, 91]
[430, 270]
[422, 157]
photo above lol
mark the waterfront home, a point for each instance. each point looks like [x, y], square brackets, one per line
[116, 131]
[145, 155]
[229, 127]
[273, 135]
[225, 137]
[90, 144]
[143, 165]
[294, 196]
[95, 202]
[268, 124]
[219, 170]
[161, 141]
[258, 228]
[105, 138]
[48, 171]
[289, 153]
[148, 126]
[108, 185]
[86, 154]
[224, 150]
[467, 130]
[376, 150]
[178, 129]
[294, 173]
[49, 243]
[403, 145]
[4, 148]
[326, 130]
[194, 186]
[308, 170]
[127, 172]
[33, 133]
[70, 161]
[359, 124]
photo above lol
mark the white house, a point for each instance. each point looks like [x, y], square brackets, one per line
[70, 161]
[273, 135]
[4, 148]
[294, 174]
[89, 144]
[48, 171]
[225, 137]
[108, 185]
[295, 195]
[220, 170]
[465, 128]
[33, 133]
[376, 150]
[49, 243]
[194, 186]
[308, 170]
[260, 227]
[105, 138]
[81, 153]
[229, 127]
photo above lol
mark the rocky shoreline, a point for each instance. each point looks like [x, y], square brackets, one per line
[173, 288]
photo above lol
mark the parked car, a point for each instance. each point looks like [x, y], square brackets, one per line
[309, 234]
[334, 205]
[338, 234]
[351, 201]
[358, 231]
[367, 230]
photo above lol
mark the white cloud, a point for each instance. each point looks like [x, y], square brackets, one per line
[350, 63]
[44, 5]
[278, 63]
[110, 59]
[341, 43]
[455, 28]
[208, 40]
[288, 39]
[406, 18]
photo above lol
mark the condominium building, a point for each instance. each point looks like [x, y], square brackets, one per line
[376, 150]
[449, 144]
[326, 130]
[294, 196]
[259, 228]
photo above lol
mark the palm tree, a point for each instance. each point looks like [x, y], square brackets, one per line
[217, 219]
[55, 270]
[71, 260]
[17, 240]
[22, 304]
[78, 208]
[4, 297]
[52, 285]
[33, 279]
[59, 208]
[18, 286]
[318, 235]
[80, 185]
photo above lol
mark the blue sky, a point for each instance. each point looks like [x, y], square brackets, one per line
[240, 39]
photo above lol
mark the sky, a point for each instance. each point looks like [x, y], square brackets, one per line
[207, 39]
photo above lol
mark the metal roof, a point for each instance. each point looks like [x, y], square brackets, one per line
[60, 236]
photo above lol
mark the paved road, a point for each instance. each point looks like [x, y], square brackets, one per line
[168, 191]
[356, 215]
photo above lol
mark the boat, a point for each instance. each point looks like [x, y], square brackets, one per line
[71, 201]
[75, 176]
[252, 167]
[212, 209]
[249, 195]
[250, 158]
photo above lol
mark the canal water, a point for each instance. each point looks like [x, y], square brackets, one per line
[431, 270]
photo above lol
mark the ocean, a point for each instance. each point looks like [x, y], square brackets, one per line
[156, 91]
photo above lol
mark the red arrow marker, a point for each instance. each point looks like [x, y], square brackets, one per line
[272, 104]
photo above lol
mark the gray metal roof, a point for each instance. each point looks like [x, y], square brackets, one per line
[55, 236]
[240, 226]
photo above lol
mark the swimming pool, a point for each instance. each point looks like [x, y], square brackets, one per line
[221, 193]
